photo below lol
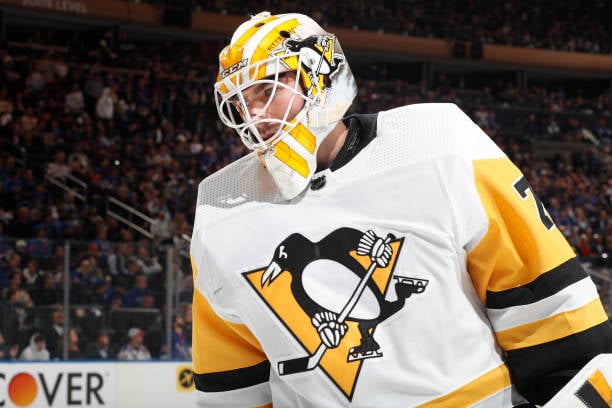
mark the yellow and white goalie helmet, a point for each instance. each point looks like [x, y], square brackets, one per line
[260, 52]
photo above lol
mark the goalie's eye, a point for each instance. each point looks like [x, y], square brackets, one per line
[256, 95]
[260, 93]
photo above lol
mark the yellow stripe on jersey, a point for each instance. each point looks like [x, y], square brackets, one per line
[231, 345]
[553, 328]
[480, 388]
[598, 381]
[291, 158]
[517, 247]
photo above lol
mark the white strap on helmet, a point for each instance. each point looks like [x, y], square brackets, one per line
[320, 118]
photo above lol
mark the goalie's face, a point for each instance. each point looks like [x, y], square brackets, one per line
[262, 110]
[268, 105]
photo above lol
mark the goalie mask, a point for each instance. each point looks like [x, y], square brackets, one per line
[284, 60]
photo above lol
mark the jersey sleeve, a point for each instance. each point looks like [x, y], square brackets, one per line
[230, 368]
[543, 307]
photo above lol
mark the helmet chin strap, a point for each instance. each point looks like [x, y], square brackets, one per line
[320, 118]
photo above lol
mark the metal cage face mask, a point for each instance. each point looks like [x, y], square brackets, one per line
[253, 106]
[283, 85]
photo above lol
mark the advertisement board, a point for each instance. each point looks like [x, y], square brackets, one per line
[96, 384]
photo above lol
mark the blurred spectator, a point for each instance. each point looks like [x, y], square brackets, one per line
[32, 275]
[186, 291]
[36, 350]
[185, 310]
[75, 100]
[40, 247]
[603, 131]
[195, 145]
[481, 116]
[6, 352]
[181, 147]
[8, 269]
[553, 130]
[105, 106]
[134, 349]
[101, 291]
[59, 66]
[147, 264]
[583, 246]
[493, 125]
[29, 120]
[59, 168]
[116, 295]
[135, 295]
[161, 227]
[84, 279]
[6, 107]
[180, 347]
[118, 261]
[54, 333]
[74, 349]
[103, 246]
[21, 249]
[147, 301]
[532, 127]
[47, 292]
[93, 87]
[16, 292]
[100, 348]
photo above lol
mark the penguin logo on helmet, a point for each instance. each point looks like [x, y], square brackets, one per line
[319, 62]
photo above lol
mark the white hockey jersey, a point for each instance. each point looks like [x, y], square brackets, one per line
[429, 247]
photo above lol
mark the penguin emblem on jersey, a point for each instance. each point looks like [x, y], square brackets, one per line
[331, 295]
[322, 62]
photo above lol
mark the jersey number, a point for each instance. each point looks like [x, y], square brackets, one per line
[521, 187]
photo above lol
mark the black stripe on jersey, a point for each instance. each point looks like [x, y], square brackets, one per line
[540, 371]
[591, 398]
[234, 379]
[542, 287]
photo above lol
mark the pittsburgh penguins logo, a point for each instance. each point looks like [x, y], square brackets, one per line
[331, 295]
[318, 60]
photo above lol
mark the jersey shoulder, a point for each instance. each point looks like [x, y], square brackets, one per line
[429, 130]
[238, 184]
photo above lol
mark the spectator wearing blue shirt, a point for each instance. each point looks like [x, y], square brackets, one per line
[40, 247]
[180, 349]
[84, 280]
[134, 296]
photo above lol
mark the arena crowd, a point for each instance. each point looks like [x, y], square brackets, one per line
[135, 121]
